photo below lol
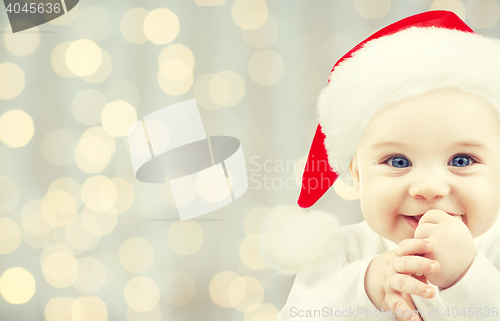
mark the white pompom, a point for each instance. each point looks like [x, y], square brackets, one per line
[293, 239]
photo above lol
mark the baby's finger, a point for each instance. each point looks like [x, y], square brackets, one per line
[396, 303]
[407, 284]
[413, 246]
[425, 230]
[415, 265]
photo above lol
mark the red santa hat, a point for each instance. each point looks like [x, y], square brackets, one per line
[424, 52]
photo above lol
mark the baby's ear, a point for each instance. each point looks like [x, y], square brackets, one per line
[353, 167]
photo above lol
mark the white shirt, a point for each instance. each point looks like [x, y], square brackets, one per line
[336, 290]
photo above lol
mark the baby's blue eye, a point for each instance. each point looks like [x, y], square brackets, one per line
[461, 161]
[399, 162]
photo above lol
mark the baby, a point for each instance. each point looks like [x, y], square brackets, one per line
[414, 112]
[435, 186]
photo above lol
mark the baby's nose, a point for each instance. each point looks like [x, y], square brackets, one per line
[429, 187]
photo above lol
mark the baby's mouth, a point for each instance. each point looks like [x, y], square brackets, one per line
[418, 217]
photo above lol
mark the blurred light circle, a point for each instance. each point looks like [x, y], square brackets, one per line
[60, 269]
[99, 193]
[22, 43]
[136, 255]
[99, 223]
[264, 312]
[9, 194]
[88, 105]
[249, 253]
[372, 9]
[87, 166]
[17, 285]
[131, 25]
[176, 69]
[53, 248]
[153, 315]
[175, 77]
[178, 287]
[12, 80]
[96, 151]
[32, 219]
[250, 289]
[91, 276]
[123, 89]
[142, 294]
[10, 235]
[266, 67]
[227, 88]
[483, 14]
[263, 37]
[103, 71]
[89, 309]
[58, 146]
[185, 237]
[62, 201]
[117, 118]
[176, 51]
[249, 14]
[125, 197]
[78, 237]
[254, 218]
[16, 127]
[83, 57]
[161, 26]
[59, 309]
[236, 291]
[208, 186]
[201, 91]
[58, 60]
[92, 23]
[59, 207]
[219, 289]
[70, 186]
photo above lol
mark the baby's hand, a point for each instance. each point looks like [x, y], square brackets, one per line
[389, 280]
[453, 246]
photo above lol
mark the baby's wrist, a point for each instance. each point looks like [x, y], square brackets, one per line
[373, 287]
[456, 280]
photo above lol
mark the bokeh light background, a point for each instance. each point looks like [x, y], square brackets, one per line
[80, 237]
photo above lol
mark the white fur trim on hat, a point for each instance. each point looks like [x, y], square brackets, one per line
[292, 239]
[393, 68]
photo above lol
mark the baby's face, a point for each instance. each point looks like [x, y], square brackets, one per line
[439, 151]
